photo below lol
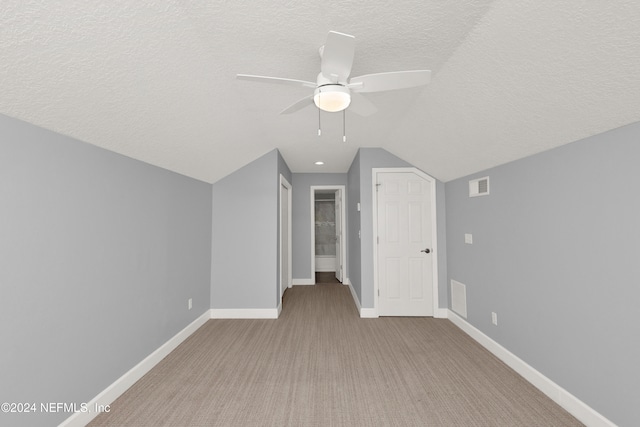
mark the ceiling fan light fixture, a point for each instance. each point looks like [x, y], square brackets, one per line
[332, 98]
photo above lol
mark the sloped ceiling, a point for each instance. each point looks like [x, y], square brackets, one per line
[155, 80]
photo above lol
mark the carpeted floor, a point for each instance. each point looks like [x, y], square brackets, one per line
[319, 364]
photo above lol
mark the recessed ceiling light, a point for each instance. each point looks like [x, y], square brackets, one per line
[319, 163]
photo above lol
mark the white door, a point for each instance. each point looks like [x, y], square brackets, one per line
[338, 234]
[405, 266]
[285, 240]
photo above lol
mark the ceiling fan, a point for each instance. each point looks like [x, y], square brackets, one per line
[334, 91]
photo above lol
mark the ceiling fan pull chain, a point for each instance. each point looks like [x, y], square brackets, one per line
[319, 131]
[344, 126]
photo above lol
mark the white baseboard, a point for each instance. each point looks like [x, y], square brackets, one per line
[295, 282]
[441, 313]
[364, 312]
[369, 313]
[354, 296]
[562, 397]
[372, 313]
[112, 392]
[244, 313]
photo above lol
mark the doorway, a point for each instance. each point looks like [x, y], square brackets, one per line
[285, 236]
[328, 252]
[405, 263]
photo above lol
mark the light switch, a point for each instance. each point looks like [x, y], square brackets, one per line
[468, 239]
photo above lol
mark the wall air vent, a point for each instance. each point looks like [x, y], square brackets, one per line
[479, 187]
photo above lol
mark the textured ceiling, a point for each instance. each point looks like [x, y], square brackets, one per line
[155, 80]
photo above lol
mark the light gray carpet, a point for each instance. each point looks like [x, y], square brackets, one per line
[319, 364]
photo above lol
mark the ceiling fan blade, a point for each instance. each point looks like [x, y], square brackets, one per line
[279, 80]
[337, 56]
[299, 105]
[361, 105]
[389, 81]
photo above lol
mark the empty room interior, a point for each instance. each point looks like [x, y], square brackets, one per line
[320, 213]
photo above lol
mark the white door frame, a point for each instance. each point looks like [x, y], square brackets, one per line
[434, 234]
[343, 194]
[285, 183]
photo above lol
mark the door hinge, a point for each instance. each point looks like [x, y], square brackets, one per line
[378, 239]
[378, 292]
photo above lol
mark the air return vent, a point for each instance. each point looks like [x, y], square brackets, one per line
[479, 187]
[459, 298]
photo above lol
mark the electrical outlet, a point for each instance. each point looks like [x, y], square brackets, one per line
[468, 238]
[494, 318]
[190, 303]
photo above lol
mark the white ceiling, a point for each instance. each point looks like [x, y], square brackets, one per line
[155, 80]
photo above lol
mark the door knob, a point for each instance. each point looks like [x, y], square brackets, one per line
[426, 251]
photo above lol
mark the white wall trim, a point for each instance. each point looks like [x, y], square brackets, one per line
[369, 313]
[441, 313]
[562, 397]
[434, 232]
[303, 282]
[244, 313]
[112, 392]
[285, 183]
[364, 312]
[354, 296]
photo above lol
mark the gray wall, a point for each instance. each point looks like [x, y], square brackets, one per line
[441, 215]
[99, 254]
[555, 254]
[360, 190]
[245, 236]
[354, 247]
[301, 224]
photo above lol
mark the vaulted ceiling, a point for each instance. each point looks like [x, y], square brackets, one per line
[155, 80]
